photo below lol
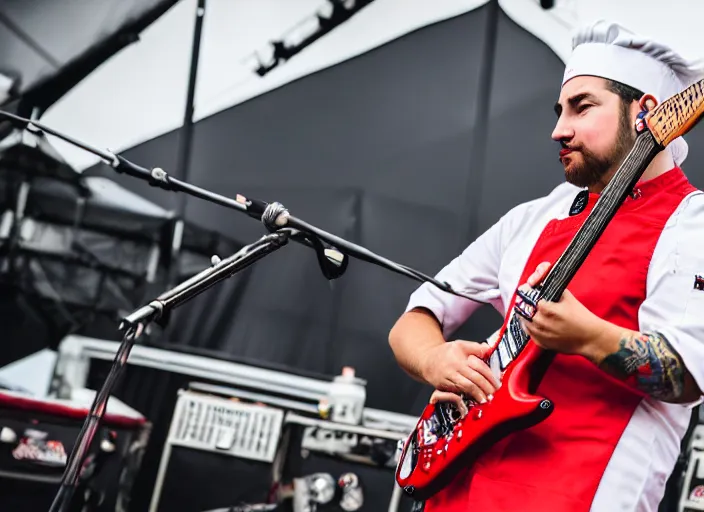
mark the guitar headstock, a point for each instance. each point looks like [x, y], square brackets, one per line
[677, 115]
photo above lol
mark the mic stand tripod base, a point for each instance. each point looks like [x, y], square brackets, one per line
[75, 463]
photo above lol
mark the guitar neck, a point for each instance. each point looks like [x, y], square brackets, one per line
[644, 149]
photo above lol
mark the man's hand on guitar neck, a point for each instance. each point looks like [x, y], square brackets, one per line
[646, 361]
[566, 326]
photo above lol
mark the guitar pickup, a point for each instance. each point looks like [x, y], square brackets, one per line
[527, 303]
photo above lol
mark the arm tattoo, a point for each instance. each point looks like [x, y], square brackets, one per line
[649, 363]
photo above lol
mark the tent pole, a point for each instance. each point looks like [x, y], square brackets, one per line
[185, 145]
[477, 168]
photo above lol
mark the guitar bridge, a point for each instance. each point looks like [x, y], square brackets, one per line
[447, 415]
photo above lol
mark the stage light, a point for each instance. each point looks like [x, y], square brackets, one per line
[352, 496]
[312, 490]
[325, 11]
[262, 61]
[347, 4]
[300, 32]
[321, 487]
[325, 19]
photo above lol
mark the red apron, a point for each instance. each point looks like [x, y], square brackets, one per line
[557, 465]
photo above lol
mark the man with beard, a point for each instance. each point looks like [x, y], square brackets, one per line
[628, 332]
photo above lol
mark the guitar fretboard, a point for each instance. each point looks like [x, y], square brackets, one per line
[514, 338]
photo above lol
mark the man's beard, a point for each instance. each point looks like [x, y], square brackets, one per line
[593, 168]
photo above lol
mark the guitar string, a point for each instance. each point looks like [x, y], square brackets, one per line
[586, 237]
[596, 223]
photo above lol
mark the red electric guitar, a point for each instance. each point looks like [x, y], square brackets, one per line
[442, 442]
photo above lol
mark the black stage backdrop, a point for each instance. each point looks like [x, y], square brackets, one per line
[411, 150]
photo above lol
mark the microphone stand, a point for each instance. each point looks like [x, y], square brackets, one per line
[332, 253]
[134, 324]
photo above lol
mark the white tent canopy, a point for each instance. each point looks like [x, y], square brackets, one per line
[140, 92]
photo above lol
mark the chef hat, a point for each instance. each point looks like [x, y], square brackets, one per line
[610, 51]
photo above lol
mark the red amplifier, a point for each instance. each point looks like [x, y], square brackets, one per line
[36, 439]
